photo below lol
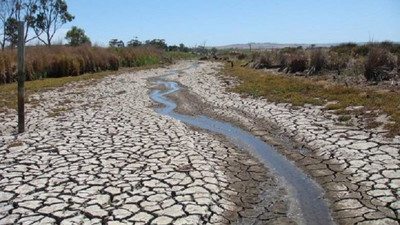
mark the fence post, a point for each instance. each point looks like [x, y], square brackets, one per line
[21, 78]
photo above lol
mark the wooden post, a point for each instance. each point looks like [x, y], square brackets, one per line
[21, 78]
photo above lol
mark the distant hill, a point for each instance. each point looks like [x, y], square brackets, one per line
[268, 45]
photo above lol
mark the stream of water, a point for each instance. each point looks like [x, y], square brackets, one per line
[307, 194]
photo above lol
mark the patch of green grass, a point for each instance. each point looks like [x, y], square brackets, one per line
[300, 90]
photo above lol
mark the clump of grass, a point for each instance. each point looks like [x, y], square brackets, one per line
[378, 59]
[300, 90]
[344, 118]
[373, 124]
[297, 62]
[58, 111]
[15, 144]
[334, 106]
[318, 59]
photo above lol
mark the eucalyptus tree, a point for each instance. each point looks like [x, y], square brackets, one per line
[51, 15]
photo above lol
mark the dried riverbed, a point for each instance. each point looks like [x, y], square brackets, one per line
[306, 196]
[99, 154]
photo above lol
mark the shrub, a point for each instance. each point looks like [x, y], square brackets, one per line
[242, 56]
[263, 61]
[362, 50]
[255, 56]
[355, 67]
[336, 61]
[297, 62]
[379, 60]
[318, 59]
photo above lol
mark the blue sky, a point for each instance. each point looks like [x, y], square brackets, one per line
[221, 22]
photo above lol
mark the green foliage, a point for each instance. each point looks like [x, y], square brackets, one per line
[76, 36]
[10, 31]
[157, 43]
[183, 48]
[44, 17]
[115, 43]
[52, 14]
[134, 43]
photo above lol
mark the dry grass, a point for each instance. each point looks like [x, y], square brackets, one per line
[15, 144]
[299, 91]
[58, 111]
[376, 61]
[60, 61]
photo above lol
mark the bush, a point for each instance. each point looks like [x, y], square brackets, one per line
[379, 61]
[336, 61]
[297, 62]
[318, 59]
[263, 61]
[242, 56]
[362, 50]
[345, 48]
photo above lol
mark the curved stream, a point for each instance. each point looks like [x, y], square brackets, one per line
[307, 194]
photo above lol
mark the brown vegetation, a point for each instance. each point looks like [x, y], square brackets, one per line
[61, 61]
[375, 61]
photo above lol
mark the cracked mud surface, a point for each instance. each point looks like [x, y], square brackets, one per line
[359, 169]
[108, 158]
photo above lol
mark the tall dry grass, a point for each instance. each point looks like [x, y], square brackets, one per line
[374, 61]
[61, 61]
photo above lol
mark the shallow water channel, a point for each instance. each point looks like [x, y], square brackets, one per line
[306, 193]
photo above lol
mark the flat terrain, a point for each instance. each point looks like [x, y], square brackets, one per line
[98, 153]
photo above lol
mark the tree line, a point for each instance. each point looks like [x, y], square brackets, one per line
[76, 36]
[42, 19]
[157, 43]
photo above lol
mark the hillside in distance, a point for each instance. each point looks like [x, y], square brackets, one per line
[269, 45]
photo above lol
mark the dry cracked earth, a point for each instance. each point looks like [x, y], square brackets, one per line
[98, 153]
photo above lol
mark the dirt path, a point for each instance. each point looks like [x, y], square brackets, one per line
[99, 154]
